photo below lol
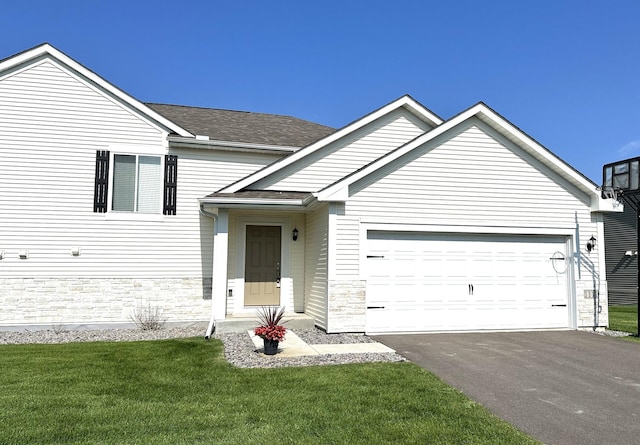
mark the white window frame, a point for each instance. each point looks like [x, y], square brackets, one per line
[137, 154]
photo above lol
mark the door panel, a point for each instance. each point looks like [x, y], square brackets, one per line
[444, 282]
[262, 266]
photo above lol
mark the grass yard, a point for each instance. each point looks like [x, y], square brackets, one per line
[183, 391]
[624, 318]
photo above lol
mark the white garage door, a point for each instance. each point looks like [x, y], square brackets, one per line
[449, 282]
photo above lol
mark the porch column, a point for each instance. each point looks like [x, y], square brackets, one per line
[220, 255]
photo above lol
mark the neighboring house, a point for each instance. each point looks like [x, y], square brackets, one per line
[621, 255]
[398, 222]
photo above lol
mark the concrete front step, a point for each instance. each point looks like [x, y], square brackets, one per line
[242, 323]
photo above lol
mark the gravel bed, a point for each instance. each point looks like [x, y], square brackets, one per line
[609, 333]
[240, 351]
[85, 335]
[238, 348]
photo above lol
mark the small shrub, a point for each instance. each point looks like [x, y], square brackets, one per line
[148, 318]
[59, 328]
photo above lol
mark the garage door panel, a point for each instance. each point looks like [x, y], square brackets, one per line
[440, 282]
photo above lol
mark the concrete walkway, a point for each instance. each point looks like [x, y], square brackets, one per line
[294, 346]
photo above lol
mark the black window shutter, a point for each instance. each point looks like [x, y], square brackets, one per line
[170, 184]
[101, 189]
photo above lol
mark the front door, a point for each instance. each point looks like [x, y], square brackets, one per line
[262, 266]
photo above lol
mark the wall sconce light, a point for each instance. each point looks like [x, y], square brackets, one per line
[294, 234]
[1, 254]
[75, 251]
[591, 244]
[23, 254]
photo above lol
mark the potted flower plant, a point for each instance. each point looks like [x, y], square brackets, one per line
[270, 329]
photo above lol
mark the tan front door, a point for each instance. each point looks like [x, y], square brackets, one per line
[262, 266]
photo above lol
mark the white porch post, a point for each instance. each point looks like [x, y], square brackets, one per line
[220, 255]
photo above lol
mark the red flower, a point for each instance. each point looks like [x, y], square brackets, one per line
[276, 333]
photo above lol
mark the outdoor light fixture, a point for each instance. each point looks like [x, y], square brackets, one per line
[295, 234]
[591, 244]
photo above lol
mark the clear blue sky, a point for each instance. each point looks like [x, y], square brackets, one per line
[565, 72]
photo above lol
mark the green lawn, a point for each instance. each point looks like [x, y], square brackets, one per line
[624, 318]
[183, 391]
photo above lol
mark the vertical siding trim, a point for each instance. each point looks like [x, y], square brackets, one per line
[101, 187]
[331, 242]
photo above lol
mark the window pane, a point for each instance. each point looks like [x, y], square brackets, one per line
[621, 168]
[124, 182]
[608, 173]
[149, 185]
[621, 181]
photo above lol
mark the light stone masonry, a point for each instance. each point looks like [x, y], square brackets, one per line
[347, 306]
[28, 301]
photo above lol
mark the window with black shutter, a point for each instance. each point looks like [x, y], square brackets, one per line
[137, 184]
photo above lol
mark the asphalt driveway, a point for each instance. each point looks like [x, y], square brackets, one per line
[564, 387]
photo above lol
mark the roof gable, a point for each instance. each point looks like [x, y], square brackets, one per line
[405, 102]
[339, 191]
[35, 55]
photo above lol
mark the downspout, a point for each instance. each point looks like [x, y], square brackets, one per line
[212, 322]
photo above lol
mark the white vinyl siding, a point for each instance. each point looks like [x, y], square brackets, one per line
[51, 124]
[472, 178]
[346, 155]
[347, 247]
[316, 265]
[48, 102]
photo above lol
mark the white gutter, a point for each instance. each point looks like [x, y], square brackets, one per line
[212, 321]
[254, 202]
[186, 142]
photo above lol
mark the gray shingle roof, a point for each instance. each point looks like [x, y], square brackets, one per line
[243, 126]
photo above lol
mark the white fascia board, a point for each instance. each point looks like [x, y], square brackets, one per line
[404, 101]
[420, 111]
[211, 144]
[227, 202]
[340, 194]
[598, 204]
[48, 50]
